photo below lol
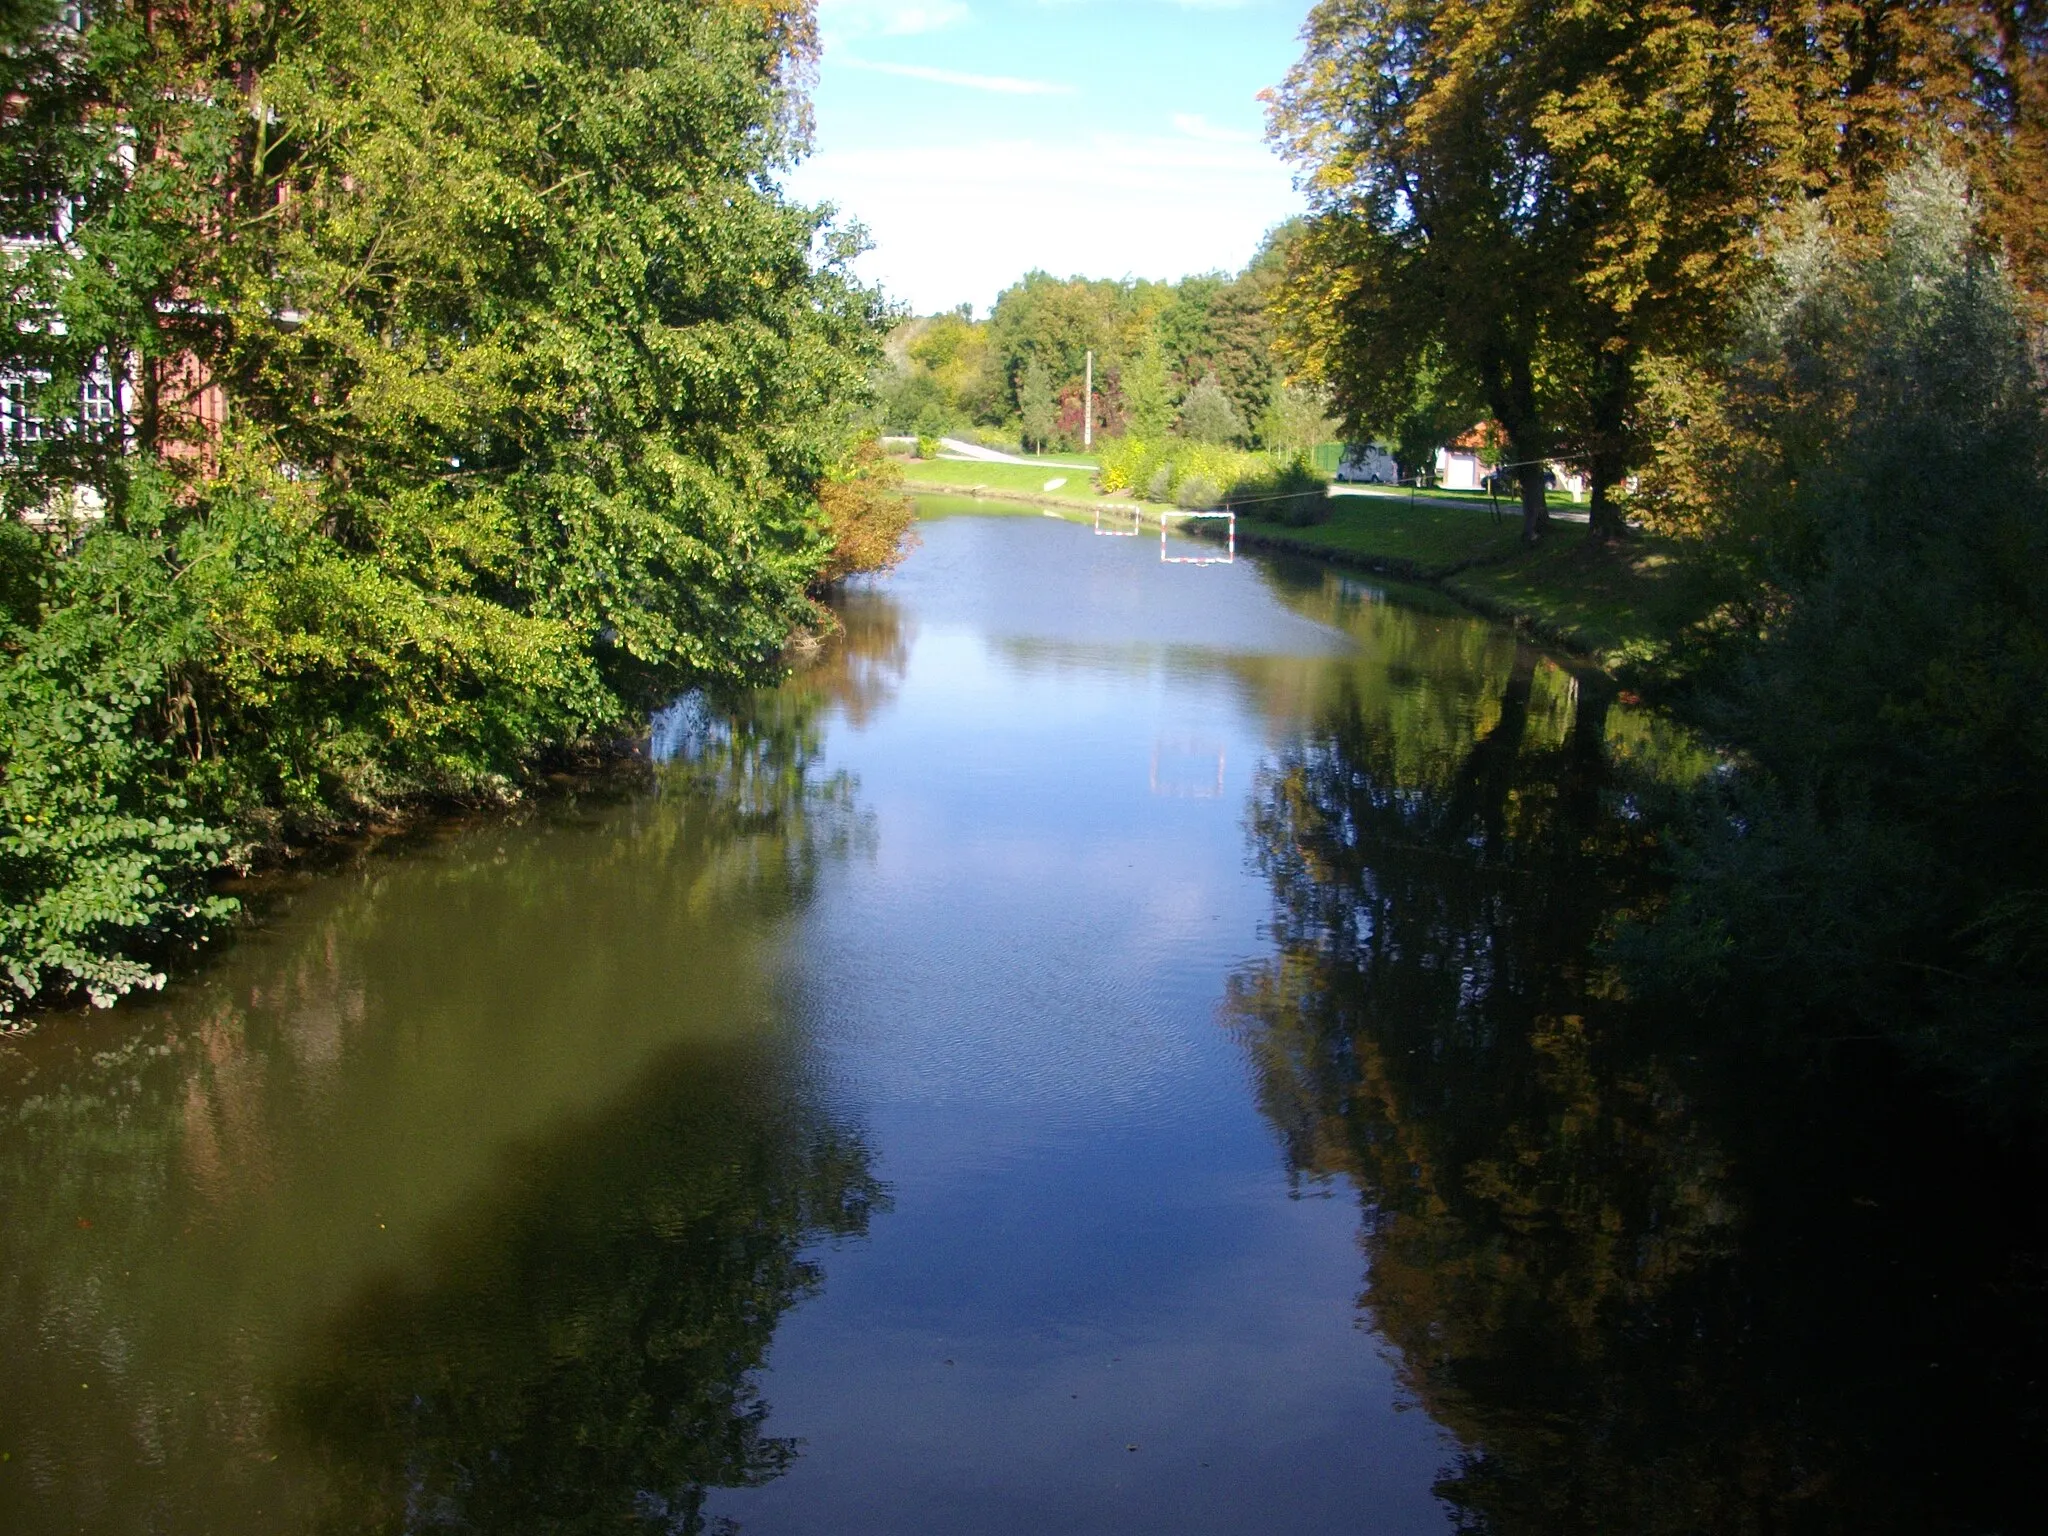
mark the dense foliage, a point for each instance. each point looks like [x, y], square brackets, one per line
[1870, 465]
[1193, 359]
[1275, 487]
[1521, 208]
[1787, 268]
[417, 391]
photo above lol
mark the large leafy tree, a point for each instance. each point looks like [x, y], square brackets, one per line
[1874, 465]
[1512, 201]
[1525, 203]
[455, 382]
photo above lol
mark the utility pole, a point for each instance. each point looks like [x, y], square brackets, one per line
[1088, 404]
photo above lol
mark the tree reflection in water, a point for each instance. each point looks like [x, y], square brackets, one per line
[469, 1195]
[1652, 1280]
[582, 1356]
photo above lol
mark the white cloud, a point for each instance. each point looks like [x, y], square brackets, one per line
[867, 18]
[963, 220]
[1001, 85]
[1195, 126]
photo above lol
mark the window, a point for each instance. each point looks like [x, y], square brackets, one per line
[19, 423]
[98, 405]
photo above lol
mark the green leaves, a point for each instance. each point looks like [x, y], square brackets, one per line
[103, 868]
[530, 378]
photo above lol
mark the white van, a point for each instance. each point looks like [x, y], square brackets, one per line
[1367, 464]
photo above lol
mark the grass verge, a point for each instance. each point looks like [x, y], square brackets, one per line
[958, 476]
[1622, 604]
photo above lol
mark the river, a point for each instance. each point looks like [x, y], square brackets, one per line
[1111, 1046]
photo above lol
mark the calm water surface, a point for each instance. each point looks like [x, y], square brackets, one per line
[1111, 1047]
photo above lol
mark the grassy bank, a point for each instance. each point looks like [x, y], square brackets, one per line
[1615, 604]
[954, 477]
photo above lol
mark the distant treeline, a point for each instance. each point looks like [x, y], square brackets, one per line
[1196, 359]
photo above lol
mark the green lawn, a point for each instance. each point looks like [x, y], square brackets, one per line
[957, 474]
[1617, 602]
[1429, 535]
[1560, 500]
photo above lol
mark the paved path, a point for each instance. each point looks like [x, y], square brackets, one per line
[957, 449]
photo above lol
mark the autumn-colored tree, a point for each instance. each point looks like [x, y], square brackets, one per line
[866, 515]
[1525, 197]
[1544, 197]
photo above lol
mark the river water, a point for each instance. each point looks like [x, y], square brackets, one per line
[1112, 1046]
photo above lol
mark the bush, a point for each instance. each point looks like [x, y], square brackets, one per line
[1287, 489]
[1208, 415]
[103, 870]
[867, 516]
[1282, 488]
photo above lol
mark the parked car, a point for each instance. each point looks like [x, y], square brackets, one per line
[1367, 464]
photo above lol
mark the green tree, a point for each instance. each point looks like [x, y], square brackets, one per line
[1057, 322]
[1208, 415]
[530, 374]
[1549, 200]
[1437, 226]
[1037, 406]
[1295, 418]
[1874, 462]
[1149, 400]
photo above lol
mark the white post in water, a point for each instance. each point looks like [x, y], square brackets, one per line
[1088, 404]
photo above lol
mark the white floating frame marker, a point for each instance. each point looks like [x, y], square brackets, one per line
[1229, 554]
[1137, 524]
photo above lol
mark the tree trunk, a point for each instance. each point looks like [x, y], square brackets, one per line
[1512, 394]
[1535, 504]
[1605, 462]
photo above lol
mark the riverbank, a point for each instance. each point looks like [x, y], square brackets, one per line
[1621, 606]
[1052, 485]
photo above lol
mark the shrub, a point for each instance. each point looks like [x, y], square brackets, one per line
[1284, 488]
[1287, 489]
[1208, 415]
[867, 517]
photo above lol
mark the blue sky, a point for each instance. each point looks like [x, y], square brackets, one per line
[977, 139]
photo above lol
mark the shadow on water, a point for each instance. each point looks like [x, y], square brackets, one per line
[1651, 1280]
[468, 1195]
[580, 1355]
